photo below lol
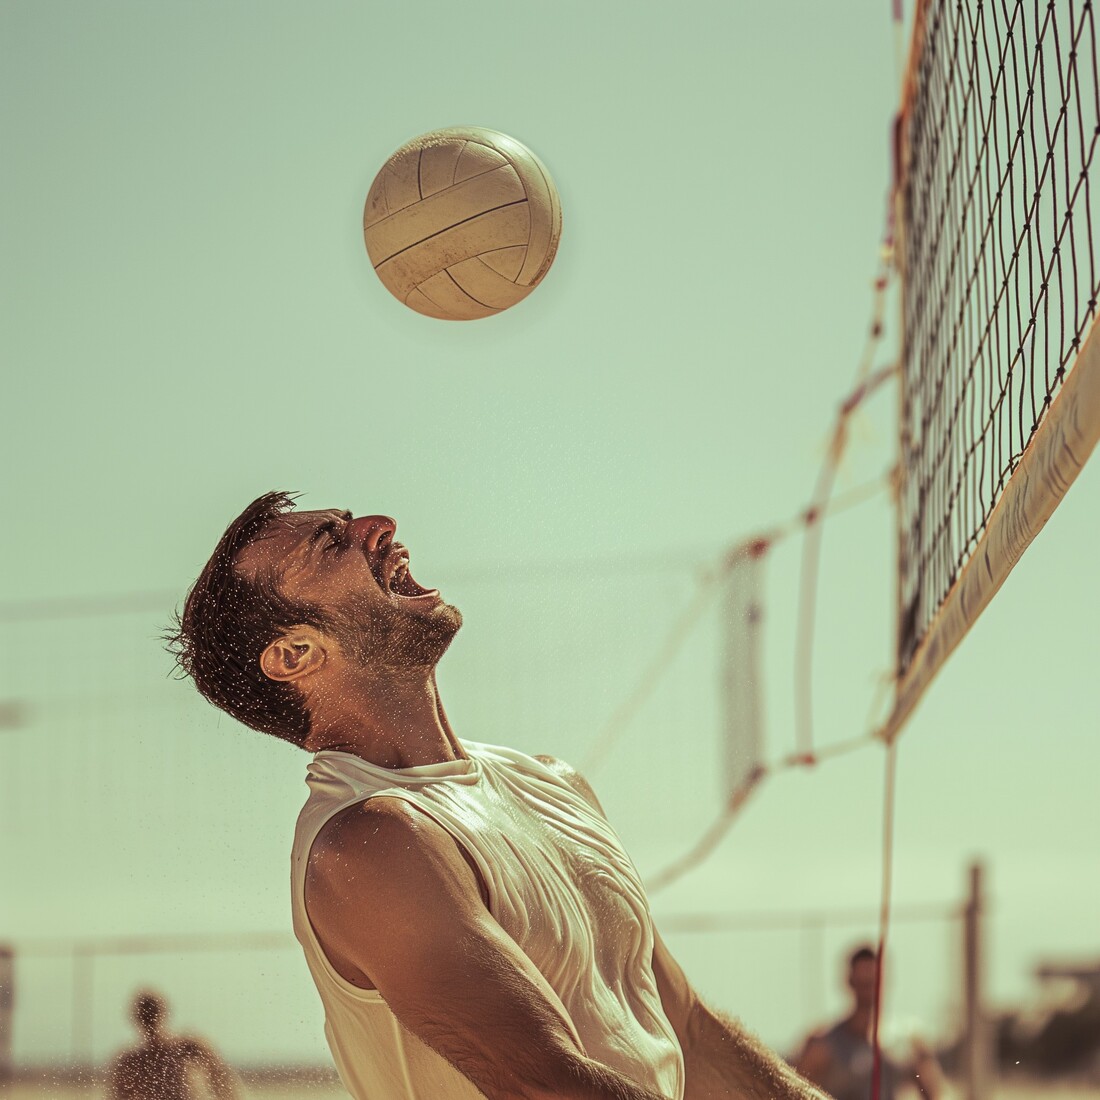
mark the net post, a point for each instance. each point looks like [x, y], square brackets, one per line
[976, 1052]
[83, 962]
[7, 1010]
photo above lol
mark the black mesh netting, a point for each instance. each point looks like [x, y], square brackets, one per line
[1000, 277]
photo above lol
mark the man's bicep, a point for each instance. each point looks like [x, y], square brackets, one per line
[392, 893]
[481, 1003]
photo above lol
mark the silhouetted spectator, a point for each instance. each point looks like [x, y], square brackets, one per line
[840, 1059]
[164, 1066]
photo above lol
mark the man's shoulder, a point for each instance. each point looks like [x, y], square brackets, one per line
[570, 775]
[386, 871]
[560, 767]
[135, 1062]
[371, 826]
[824, 1039]
[191, 1046]
[838, 1029]
[382, 840]
[122, 1061]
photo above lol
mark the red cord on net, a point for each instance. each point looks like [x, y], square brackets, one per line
[884, 914]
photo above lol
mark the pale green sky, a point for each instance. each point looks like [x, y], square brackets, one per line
[190, 319]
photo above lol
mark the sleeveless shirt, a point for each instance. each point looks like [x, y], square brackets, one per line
[558, 882]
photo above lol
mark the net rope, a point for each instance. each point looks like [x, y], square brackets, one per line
[1000, 127]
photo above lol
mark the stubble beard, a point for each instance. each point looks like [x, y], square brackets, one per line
[387, 637]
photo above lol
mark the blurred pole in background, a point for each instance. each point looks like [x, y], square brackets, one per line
[976, 1054]
[7, 1008]
[814, 972]
[83, 962]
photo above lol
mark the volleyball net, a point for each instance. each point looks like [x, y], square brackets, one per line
[998, 253]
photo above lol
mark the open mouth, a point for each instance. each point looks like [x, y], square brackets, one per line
[393, 576]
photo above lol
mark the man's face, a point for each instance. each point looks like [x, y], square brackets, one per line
[354, 570]
[861, 980]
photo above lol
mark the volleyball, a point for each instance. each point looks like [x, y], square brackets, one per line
[462, 223]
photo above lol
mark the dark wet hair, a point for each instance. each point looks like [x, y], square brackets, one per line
[228, 620]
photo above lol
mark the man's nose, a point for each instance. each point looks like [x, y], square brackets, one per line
[373, 533]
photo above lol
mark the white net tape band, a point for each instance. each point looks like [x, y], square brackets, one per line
[1048, 467]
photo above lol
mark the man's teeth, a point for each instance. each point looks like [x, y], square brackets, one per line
[399, 573]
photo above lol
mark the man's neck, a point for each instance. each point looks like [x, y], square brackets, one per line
[860, 1022]
[392, 719]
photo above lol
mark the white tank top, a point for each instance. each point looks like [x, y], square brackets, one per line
[559, 883]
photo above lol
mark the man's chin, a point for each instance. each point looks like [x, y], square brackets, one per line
[427, 635]
[417, 638]
[447, 620]
[453, 614]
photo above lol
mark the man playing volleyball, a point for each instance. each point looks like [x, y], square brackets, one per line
[469, 917]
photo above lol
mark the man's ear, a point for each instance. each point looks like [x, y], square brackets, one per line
[294, 655]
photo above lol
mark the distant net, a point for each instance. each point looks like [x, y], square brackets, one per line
[742, 674]
[999, 257]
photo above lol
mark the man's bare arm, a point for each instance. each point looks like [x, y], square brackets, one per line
[393, 900]
[722, 1061]
[927, 1076]
[221, 1080]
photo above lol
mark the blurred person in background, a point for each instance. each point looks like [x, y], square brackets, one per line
[841, 1058]
[164, 1066]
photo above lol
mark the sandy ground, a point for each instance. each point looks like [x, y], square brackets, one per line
[94, 1090]
[297, 1090]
